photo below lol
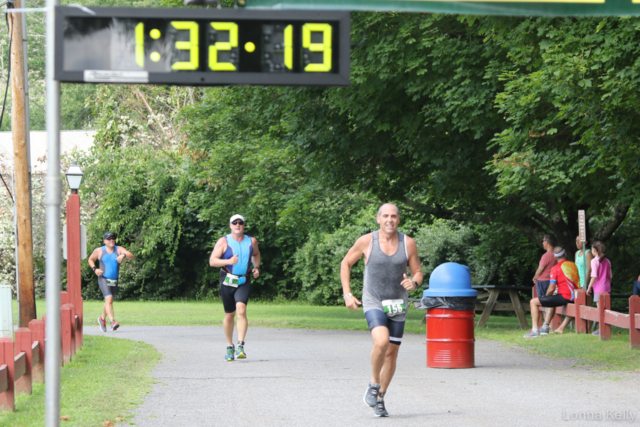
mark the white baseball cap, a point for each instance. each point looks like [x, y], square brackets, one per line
[236, 216]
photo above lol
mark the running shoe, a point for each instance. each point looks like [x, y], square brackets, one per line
[371, 395]
[240, 354]
[532, 334]
[229, 356]
[596, 333]
[379, 409]
[544, 330]
[114, 325]
[103, 326]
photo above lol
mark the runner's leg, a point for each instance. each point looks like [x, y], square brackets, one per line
[380, 335]
[227, 324]
[389, 367]
[108, 307]
[243, 324]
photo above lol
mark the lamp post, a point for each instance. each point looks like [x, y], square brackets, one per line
[74, 179]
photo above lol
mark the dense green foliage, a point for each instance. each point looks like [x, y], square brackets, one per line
[488, 132]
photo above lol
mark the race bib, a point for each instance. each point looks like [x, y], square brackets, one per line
[111, 282]
[231, 280]
[393, 307]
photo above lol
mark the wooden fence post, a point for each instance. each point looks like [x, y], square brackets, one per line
[65, 332]
[605, 304]
[64, 298]
[7, 398]
[72, 326]
[634, 326]
[79, 331]
[581, 324]
[24, 343]
[37, 334]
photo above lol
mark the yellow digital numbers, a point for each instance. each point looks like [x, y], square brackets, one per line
[288, 47]
[324, 47]
[140, 44]
[191, 45]
[219, 46]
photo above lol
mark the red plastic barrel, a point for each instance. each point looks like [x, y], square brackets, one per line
[450, 338]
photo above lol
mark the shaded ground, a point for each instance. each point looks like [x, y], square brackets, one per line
[317, 378]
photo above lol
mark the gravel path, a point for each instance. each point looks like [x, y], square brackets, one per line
[299, 377]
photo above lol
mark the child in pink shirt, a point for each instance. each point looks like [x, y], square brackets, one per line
[600, 274]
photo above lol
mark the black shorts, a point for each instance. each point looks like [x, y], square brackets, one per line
[230, 295]
[377, 318]
[106, 289]
[553, 301]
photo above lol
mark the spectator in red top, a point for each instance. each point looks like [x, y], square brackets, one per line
[564, 281]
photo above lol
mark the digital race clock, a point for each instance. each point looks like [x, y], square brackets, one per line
[202, 46]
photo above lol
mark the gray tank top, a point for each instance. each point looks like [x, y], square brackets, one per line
[383, 274]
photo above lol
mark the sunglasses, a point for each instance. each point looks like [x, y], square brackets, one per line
[238, 222]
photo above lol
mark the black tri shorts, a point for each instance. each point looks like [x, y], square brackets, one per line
[231, 295]
[553, 301]
[377, 318]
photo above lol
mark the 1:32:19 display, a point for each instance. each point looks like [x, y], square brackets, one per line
[223, 50]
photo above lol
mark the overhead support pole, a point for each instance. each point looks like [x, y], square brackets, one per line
[22, 189]
[53, 200]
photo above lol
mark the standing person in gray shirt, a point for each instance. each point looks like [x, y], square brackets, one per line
[387, 253]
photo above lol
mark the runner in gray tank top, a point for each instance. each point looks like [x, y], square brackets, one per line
[387, 254]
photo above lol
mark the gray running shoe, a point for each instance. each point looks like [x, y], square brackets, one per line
[103, 326]
[371, 396]
[544, 330]
[532, 334]
[379, 409]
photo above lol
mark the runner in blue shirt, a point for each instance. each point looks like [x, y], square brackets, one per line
[110, 257]
[235, 253]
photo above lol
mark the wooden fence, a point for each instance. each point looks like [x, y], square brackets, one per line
[22, 361]
[583, 313]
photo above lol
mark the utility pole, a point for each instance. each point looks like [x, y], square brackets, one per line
[22, 190]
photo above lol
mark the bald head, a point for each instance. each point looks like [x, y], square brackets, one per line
[387, 206]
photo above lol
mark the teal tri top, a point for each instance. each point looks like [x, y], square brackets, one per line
[581, 263]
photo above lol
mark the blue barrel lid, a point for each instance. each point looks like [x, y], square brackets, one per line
[450, 280]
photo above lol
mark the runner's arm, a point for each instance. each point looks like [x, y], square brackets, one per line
[255, 258]
[414, 266]
[215, 260]
[123, 253]
[95, 255]
[355, 253]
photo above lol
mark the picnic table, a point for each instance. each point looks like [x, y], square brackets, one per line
[488, 302]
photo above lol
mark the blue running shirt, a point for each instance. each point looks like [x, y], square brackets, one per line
[244, 250]
[111, 266]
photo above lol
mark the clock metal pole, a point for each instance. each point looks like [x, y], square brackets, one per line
[53, 200]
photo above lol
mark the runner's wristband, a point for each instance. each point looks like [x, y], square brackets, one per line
[415, 284]
[347, 296]
[94, 268]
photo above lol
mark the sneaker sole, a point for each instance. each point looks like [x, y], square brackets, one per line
[115, 328]
[241, 356]
[382, 415]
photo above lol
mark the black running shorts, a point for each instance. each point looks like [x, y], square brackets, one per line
[230, 295]
[553, 301]
[106, 289]
[377, 318]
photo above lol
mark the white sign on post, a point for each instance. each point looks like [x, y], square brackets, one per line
[582, 229]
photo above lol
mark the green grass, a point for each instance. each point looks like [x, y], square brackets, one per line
[106, 379]
[585, 349]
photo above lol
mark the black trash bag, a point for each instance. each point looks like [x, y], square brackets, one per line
[453, 303]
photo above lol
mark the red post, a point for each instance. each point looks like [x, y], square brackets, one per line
[7, 398]
[23, 343]
[79, 338]
[65, 332]
[581, 324]
[73, 259]
[64, 298]
[634, 327]
[37, 334]
[72, 326]
[605, 304]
